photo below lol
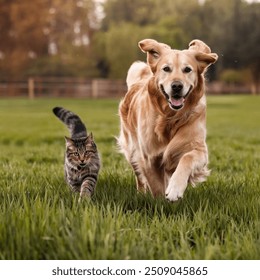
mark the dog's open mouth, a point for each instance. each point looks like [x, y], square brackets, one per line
[175, 102]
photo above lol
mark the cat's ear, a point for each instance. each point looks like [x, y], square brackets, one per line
[91, 137]
[68, 141]
[90, 140]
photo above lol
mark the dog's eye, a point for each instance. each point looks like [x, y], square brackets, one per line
[166, 69]
[187, 69]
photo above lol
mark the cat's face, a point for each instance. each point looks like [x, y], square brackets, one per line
[80, 152]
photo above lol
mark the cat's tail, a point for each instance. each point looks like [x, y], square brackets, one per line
[75, 125]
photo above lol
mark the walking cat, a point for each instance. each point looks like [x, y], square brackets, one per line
[82, 162]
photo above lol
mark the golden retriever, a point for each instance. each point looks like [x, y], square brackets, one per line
[163, 118]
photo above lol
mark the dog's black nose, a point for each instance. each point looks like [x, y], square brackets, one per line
[177, 86]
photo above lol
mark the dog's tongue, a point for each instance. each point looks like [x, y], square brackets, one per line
[177, 102]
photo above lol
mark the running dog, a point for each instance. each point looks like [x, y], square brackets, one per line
[163, 118]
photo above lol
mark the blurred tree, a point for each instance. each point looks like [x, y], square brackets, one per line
[139, 12]
[32, 33]
[127, 22]
[241, 49]
[21, 35]
[117, 48]
[231, 76]
[229, 27]
[71, 26]
[57, 37]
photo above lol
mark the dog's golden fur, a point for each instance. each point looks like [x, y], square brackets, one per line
[163, 118]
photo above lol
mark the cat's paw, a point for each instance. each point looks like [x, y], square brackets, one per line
[84, 198]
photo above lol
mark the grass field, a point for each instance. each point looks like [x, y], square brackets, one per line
[41, 219]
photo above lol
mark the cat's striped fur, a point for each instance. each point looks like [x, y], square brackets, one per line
[82, 161]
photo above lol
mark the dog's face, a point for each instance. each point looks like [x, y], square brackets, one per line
[176, 76]
[176, 72]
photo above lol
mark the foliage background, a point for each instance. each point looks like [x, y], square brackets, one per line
[88, 38]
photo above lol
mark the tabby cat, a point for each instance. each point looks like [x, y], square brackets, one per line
[82, 162]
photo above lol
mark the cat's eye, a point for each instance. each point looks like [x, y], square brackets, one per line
[76, 154]
[87, 153]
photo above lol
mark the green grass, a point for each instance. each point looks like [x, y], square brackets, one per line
[41, 219]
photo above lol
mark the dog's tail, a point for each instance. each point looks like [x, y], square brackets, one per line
[137, 72]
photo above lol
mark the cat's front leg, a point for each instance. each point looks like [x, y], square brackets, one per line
[85, 191]
[88, 187]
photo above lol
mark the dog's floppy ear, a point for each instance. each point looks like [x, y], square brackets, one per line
[205, 59]
[203, 54]
[198, 45]
[154, 50]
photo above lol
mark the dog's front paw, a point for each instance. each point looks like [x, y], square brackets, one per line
[175, 190]
[173, 194]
